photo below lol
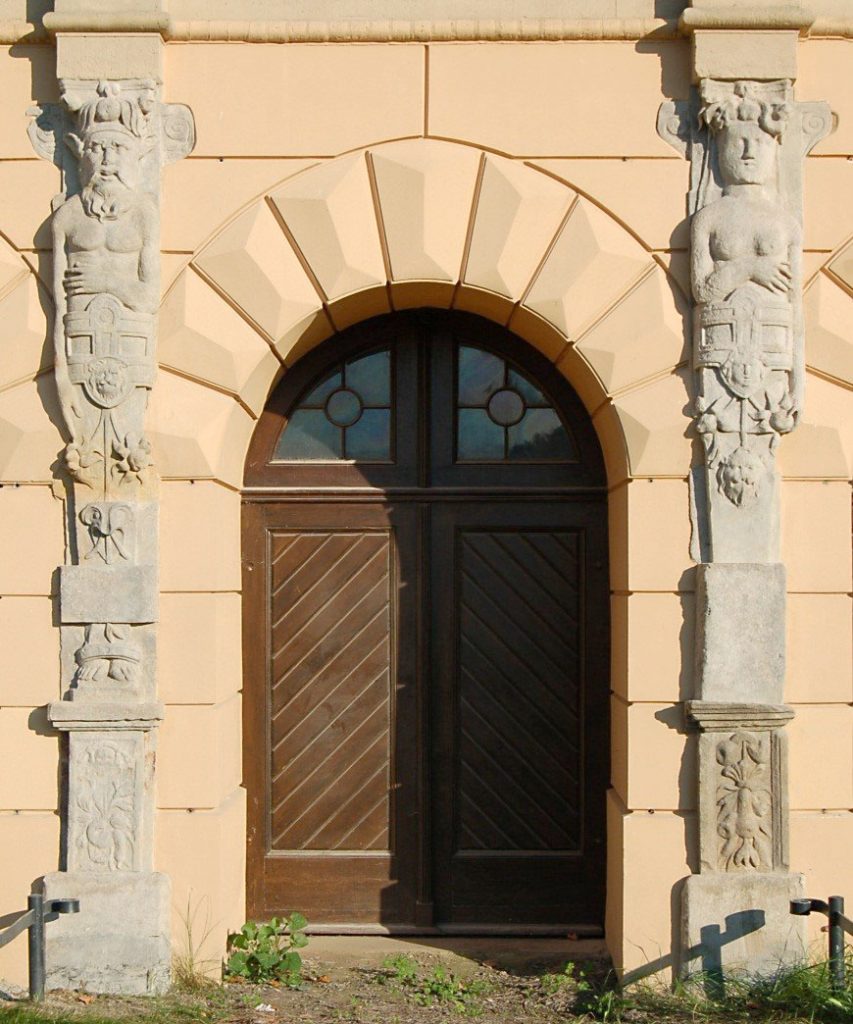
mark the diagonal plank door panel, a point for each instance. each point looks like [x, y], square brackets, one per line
[518, 608]
[331, 704]
[330, 690]
[520, 696]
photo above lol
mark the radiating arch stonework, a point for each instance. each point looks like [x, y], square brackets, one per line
[378, 230]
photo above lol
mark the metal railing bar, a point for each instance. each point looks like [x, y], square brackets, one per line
[14, 930]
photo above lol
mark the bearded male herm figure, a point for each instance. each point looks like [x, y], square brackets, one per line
[106, 285]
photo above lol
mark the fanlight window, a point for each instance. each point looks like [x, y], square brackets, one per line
[347, 415]
[502, 416]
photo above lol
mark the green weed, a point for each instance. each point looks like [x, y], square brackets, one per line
[439, 986]
[261, 953]
[598, 999]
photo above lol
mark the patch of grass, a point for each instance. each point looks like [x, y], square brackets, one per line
[551, 984]
[191, 972]
[438, 986]
[212, 1006]
[795, 994]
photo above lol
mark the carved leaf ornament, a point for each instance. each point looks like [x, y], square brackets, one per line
[105, 799]
[744, 803]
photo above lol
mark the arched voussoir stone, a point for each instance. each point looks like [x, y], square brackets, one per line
[423, 222]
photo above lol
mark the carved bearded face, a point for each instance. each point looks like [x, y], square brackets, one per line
[110, 159]
[747, 153]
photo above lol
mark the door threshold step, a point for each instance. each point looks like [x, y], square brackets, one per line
[546, 931]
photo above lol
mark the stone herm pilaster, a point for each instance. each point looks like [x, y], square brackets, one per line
[110, 138]
[745, 141]
[745, 137]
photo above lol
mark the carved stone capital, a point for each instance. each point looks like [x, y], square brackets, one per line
[721, 716]
[113, 716]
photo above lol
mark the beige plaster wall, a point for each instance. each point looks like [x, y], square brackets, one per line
[543, 199]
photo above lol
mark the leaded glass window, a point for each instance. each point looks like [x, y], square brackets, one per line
[345, 415]
[502, 417]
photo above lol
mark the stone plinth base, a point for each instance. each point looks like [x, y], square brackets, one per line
[120, 941]
[740, 923]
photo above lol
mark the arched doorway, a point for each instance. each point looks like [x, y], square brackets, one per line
[426, 636]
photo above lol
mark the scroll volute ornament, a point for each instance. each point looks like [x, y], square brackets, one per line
[110, 139]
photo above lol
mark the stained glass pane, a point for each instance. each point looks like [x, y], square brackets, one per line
[506, 407]
[370, 376]
[339, 418]
[540, 435]
[309, 435]
[532, 395]
[317, 398]
[480, 374]
[520, 423]
[370, 437]
[343, 407]
[479, 437]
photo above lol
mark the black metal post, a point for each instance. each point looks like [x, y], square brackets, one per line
[35, 903]
[836, 942]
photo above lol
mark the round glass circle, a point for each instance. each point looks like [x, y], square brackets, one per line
[343, 407]
[506, 407]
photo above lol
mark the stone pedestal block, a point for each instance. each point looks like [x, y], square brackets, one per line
[119, 942]
[740, 632]
[734, 923]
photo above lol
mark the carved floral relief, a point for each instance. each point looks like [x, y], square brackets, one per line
[105, 811]
[744, 802]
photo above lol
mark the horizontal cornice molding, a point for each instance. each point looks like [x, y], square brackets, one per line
[54, 23]
[743, 18]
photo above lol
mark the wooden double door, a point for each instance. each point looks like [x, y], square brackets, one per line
[426, 635]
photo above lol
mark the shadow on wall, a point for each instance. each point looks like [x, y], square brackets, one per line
[706, 957]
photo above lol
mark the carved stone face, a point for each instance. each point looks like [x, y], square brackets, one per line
[107, 383]
[110, 157]
[746, 154]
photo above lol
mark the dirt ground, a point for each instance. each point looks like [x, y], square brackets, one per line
[375, 981]
[394, 981]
